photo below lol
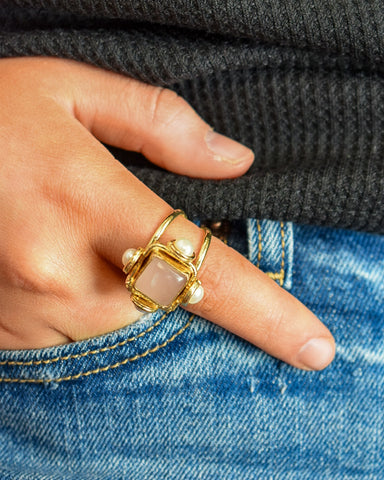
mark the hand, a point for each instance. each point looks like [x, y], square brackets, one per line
[70, 209]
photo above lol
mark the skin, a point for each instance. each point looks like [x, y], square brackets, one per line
[70, 209]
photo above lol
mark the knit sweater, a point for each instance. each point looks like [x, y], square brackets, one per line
[298, 81]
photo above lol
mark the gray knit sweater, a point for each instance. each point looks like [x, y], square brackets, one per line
[298, 81]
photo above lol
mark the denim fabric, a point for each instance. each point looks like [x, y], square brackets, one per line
[177, 397]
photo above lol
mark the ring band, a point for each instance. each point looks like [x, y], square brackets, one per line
[165, 276]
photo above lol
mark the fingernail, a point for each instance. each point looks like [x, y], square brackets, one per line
[226, 149]
[316, 354]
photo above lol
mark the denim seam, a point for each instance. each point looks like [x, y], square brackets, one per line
[274, 275]
[280, 275]
[260, 244]
[84, 354]
[101, 369]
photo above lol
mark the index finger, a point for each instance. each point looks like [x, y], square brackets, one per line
[238, 296]
[242, 299]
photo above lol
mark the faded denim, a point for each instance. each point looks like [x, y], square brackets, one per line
[180, 398]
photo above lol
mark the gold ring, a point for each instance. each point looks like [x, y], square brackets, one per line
[165, 276]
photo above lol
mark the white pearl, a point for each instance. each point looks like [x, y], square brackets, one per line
[197, 296]
[184, 246]
[127, 255]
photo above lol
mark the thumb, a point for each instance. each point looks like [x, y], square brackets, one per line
[156, 122]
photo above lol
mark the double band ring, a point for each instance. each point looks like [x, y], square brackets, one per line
[165, 276]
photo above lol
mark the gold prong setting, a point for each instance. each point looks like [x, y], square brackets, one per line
[164, 276]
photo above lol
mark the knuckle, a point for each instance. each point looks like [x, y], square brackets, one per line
[35, 272]
[220, 288]
[165, 107]
[275, 321]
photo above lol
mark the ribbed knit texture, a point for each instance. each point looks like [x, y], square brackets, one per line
[299, 82]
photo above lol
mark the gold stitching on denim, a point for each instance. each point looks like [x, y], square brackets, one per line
[101, 369]
[260, 244]
[282, 271]
[280, 275]
[84, 354]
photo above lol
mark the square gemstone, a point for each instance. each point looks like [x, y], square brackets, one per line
[160, 281]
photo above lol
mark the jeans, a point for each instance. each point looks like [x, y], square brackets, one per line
[177, 397]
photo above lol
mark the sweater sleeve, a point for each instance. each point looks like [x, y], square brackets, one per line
[301, 83]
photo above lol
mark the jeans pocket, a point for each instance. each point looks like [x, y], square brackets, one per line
[76, 360]
[270, 247]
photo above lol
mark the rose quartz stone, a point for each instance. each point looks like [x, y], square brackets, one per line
[160, 281]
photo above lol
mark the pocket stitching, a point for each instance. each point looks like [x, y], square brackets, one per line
[107, 367]
[84, 354]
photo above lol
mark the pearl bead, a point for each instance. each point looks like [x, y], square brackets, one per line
[184, 246]
[127, 255]
[197, 296]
